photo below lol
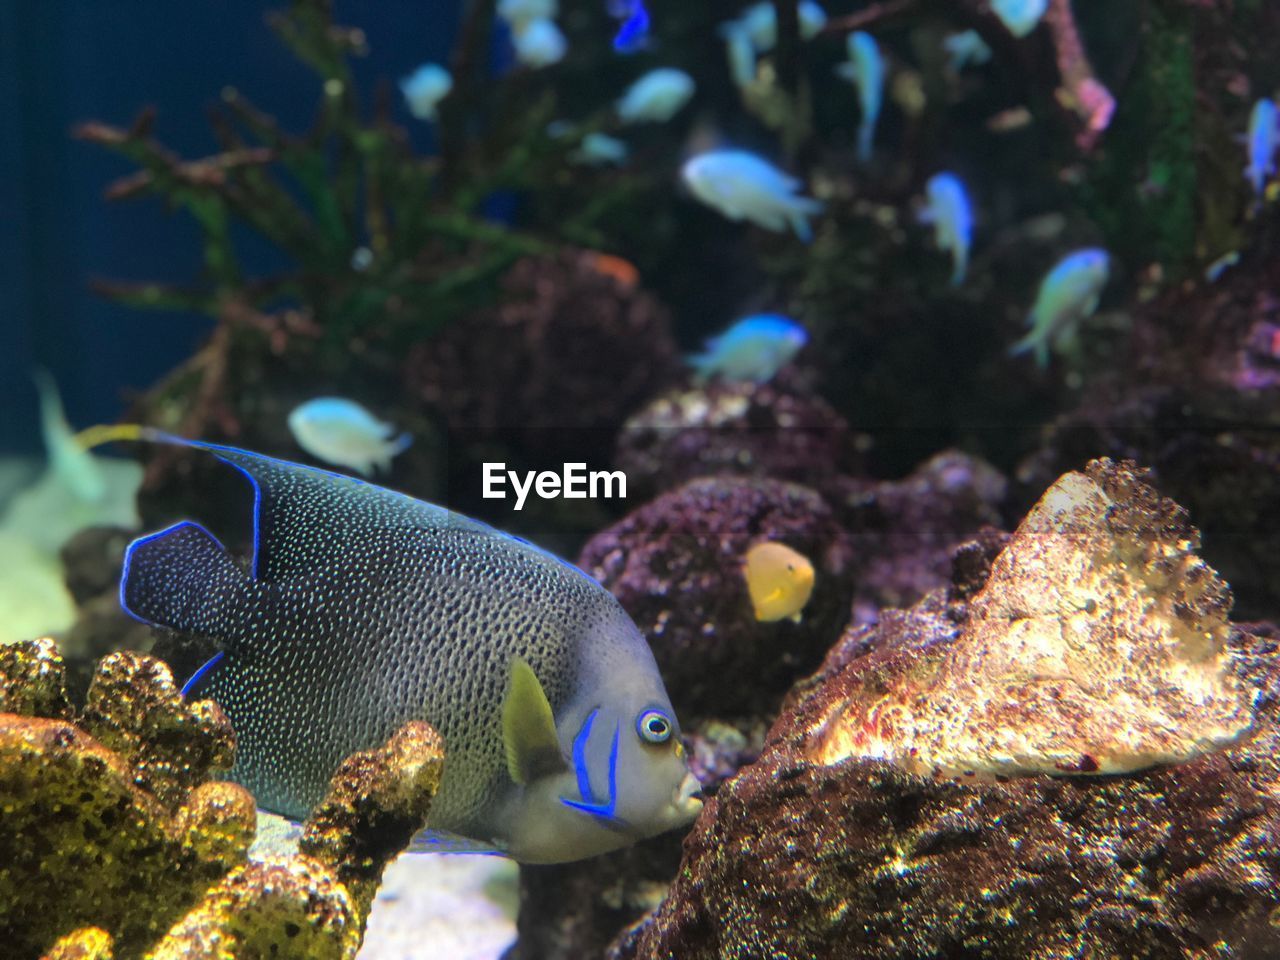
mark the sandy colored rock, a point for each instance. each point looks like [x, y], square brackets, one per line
[33, 680]
[173, 744]
[1098, 645]
[87, 943]
[378, 801]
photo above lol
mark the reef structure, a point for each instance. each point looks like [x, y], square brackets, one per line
[859, 834]
[115, 842]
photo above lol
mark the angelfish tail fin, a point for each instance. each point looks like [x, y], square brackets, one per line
[181, 578]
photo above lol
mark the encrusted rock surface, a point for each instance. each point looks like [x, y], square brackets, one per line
[903, 531]
[676, 566]
[559, 363]
[866, 858]
[115, 844]
[763, 430]
[377, 801]
[82, 843]
[1098, 645]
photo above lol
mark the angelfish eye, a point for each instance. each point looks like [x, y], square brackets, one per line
[654, 726]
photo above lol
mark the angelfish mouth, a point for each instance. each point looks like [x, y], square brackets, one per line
[687, 799]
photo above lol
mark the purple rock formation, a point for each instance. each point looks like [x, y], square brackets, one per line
[676, 566]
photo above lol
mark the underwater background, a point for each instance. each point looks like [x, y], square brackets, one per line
[919, 363]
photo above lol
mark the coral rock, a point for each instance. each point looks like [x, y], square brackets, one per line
[173, 744]
[761, 430]
[33, 680]
[865, 858]
[77, 832]
[291, 909]
[377, 801]
[903, 531]
[1098, 645]
[87, 943]
[561, 362]
[676, 566]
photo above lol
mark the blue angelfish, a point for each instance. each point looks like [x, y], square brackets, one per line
[753, 350]
[362, 609]
[949, 211]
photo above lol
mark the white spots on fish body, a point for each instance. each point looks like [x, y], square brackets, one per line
[425, 88]
[345, 434]
[656, 97]
[743, 186]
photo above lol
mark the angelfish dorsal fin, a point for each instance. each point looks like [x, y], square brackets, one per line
[529, 727]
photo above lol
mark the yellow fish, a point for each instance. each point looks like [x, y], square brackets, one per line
[779, 579]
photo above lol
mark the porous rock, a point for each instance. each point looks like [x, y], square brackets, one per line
[773, 429]
[676, 566]
[810, 854]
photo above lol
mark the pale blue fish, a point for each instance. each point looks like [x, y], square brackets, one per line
[656, 97]
[1020, 17]
[598, 150]
[964, 49]
[865, 69]
[1264, 129]
[539, 43]
[753, 350]
[741, 53]
[760, 23]
[76, 469]
[1214, 271]
[633, 32]
[743, 186]
[343, 433]
[425, 88]
[1068, 294]
[519, 13]
[362, 609]
[950, 212]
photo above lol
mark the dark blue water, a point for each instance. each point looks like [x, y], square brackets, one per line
[65, 62]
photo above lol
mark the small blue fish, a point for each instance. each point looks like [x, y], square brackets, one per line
[1019, 16]
[539, 43]
[1068, 294]
[1263, 132]
[345, 434]
[742, 186]
[951, 214]
[598, 150]
[656, 97]
[753, 350]
[425, 88]
[865, 69]
[633, 33]
[964, 49]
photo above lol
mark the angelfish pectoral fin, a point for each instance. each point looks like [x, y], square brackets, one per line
[529, 727]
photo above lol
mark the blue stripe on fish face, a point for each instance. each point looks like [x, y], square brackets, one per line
[603, 809]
